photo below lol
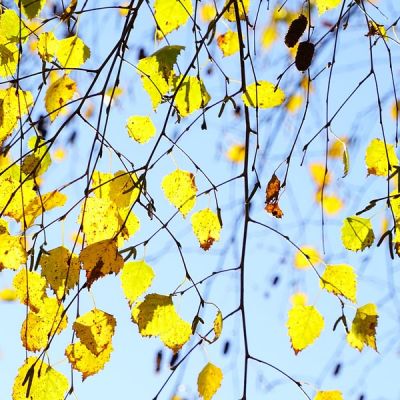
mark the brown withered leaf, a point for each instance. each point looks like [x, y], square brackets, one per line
[271, 197]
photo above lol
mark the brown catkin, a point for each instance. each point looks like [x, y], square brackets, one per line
[296, 29]
[304, 55]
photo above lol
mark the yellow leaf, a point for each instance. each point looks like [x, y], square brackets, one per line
[140, 128]
[131, 226]
[100, 259]
[332, 204]
[8, 294]
[12, 251]
[38, 327]
[136, 278]
[30, 288]
[298, 299]
[180, 189]
[170, 15]
[31, 8]
[61, 270]
[207, 12]
[263, 95]
[340, 279]
[209, 381]
[302, 262]
[83, 360]
[378, 156]
[228, 43]
[10, 27]
[156, 316]
[377, 30]
[243, 6]
[206, 227]
[269, 36]
[40, 204]
[325, 5]
[44, 382]
[13, 105]
[156, 72]
[72, 52]
[305, 324]
[59, 154]
[317, 171]
[329, 395]
[191, 95]
[294, 103]
[8, 59]
[236, 153]
[95, 330]
[218, 324]
[336, 148]
[37, 162]
[100, 219]
[357, 233]
[47, 46]
[58, 94]
[363, 328]
[395, 110]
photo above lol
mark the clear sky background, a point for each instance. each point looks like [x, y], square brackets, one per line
[130, 374]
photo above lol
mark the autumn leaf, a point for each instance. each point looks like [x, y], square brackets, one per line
[306, 257]
[363, 327]
[340, 279]
[263, 94]
[272, 197]
[30, 288]
[329, 395]
[378, 156]
[206, 227]
[326, 5]
[243, 7]
[31, 8]
[228, 43]
[209, 381]
[357, 233]
[140, 128]
[58, 95]
[304, 324]
[36, 380]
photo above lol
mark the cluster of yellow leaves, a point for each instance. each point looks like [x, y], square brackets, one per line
[40, 380]
[156, 316]
[95, 330]
[209, 381]
[105, 215]
[206, 227]
[180, 189]
[70, 52]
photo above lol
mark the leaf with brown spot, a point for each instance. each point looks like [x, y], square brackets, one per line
[271, 197]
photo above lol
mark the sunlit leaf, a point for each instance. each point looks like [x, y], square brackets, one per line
[263, 94]
[299, 299]
[38, 161]
[325, 5]
[329, 395]
[318, 175]
[12, 28]
[72, 52]
[332, 204]
[340, 279]
[303, 262]
[207, 12]
[84, 361]
[95, 330]
[209, 381]
[180, 189]
[191, 95]
[30, 288]
[236, 153]
[304, 324]
[243, 7]
[272, 197]
[377, 157]
[156, 316]
[31, 8]
[100, 259]
[269, 36]
[170, 15]
[228, 43]
[12, 251]
[8, 59]
[218, 324]
[136, 278]
[363, 328]
[38, 327]
[140, 128]
[294, 103]
[357, 233]
[61, 270]
[156, 72]
[58, 95]
[44, 382]
[47, 46]
[206, 227]
[8, 294]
